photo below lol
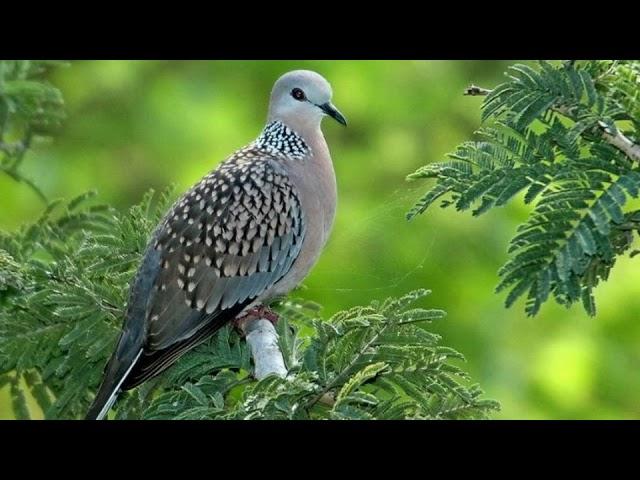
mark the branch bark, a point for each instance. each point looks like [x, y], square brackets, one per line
[622, 143]
[262, 338]
[613, 137]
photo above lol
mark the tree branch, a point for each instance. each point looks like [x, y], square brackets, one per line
[611, 135]
[622, 143]
[262, 338]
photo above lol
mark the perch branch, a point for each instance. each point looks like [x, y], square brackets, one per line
[262, 338]
[612, 136]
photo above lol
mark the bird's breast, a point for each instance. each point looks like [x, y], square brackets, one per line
[315, 182]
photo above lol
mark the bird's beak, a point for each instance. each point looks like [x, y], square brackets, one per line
[333, 112]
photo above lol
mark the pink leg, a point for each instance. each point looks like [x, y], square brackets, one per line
[254, 313]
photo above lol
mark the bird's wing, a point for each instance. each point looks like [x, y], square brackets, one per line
[228, 240]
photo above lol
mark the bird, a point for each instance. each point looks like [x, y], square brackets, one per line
[247, 233]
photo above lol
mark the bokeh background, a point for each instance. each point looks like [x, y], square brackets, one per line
[135, 125]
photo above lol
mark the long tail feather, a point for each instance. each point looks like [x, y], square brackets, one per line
[109, 390]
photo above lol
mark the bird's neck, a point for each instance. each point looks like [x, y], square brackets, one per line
[277, 137]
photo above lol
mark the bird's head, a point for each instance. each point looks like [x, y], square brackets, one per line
[302, 97]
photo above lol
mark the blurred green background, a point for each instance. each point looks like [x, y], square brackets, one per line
[135, 125]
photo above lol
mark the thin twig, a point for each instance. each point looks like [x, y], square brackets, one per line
[611, 135]
[25, 145]
[15, 154]
[614, 64]
[20, 179]
[325, 395]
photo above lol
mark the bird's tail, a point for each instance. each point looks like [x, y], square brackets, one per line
[108, 392]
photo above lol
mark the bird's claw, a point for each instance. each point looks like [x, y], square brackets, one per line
[255, 313]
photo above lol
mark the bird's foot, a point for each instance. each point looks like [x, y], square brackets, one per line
[255, 313]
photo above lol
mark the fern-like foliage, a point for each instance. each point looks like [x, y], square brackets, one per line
[547, 136]
[64, 281]
[62, 294]
[373, 362]
[30, 107]
[63, 287]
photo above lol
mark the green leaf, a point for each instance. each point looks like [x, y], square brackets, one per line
[364, 375]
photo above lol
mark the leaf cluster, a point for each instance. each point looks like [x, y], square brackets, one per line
[30, 107]
[63, 289]
[542, 141]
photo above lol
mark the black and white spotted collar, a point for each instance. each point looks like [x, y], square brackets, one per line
[277, 138]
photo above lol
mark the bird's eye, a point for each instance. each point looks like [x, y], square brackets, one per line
[298, 94]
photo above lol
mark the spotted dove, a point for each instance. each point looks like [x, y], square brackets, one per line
[248, 232]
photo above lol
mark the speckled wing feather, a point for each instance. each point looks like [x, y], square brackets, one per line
[229, 239]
